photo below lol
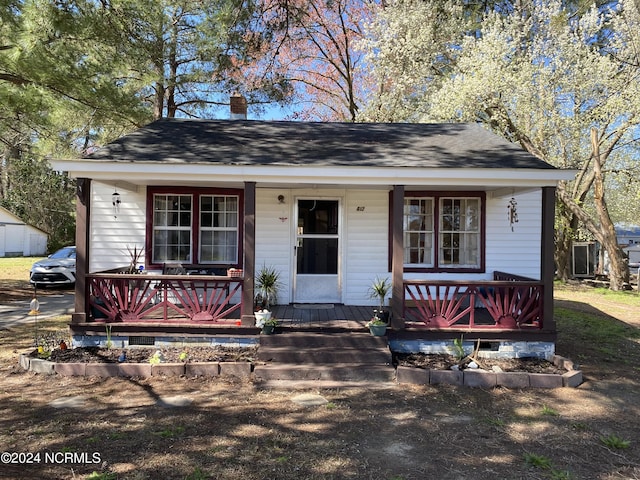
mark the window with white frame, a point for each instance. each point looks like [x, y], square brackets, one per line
[418, 231]
[199, 227]
[443, 232]
[459, 233]
[218, 229]
[172, 219]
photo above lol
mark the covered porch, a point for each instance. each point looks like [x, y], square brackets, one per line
[414, 204]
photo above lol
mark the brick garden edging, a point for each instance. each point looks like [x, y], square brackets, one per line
[469, 378]
[484, 379]
[211, 369]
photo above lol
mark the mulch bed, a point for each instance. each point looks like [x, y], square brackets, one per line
[248, 354]
[143, 355]
[445, 362]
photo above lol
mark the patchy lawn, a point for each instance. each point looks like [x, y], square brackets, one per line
[223, 428]
[14, 280]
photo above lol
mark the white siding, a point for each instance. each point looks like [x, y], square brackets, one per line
[366, 242]
[274, 245]
[516, 251]
[35, 242]
[364, 237]
[111, 235]
[14, 240]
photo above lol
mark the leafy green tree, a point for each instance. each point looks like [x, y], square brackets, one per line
[561, 81]
[75, 74]
[42, 198]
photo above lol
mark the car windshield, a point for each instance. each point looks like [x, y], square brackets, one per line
[64, 253]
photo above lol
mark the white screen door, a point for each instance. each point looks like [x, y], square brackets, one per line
[316, 278]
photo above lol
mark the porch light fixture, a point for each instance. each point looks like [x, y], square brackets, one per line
[115, 201]
[281, 201]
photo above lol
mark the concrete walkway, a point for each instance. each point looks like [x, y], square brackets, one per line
[52, 305]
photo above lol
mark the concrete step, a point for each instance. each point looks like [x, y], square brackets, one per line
[325, 355]
[335, 340]
[334, 372]
[317, 349]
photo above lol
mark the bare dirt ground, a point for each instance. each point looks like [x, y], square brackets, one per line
[223, 428]
[144, 355]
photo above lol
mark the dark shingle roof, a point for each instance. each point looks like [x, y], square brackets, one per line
[249, 142]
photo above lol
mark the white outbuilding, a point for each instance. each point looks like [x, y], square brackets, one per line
[18, 239]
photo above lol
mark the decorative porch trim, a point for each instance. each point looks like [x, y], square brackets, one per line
[132, 298]
[507, 303]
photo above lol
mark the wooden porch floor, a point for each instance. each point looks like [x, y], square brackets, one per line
[322, 316]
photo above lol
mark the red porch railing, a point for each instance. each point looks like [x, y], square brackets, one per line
[166, 298]
[509, 302]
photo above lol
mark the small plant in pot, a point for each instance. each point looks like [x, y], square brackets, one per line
[268, 326]
[379, 290]
[267, 284]
[377, 327]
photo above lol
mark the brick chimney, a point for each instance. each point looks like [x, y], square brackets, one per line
[238, 107]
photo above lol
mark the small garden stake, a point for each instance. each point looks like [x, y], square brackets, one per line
[35, 310]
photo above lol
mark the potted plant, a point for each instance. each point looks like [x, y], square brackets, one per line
[135, 257]
[379, 290]
[268, 326]
[267, 284]
[377, 327]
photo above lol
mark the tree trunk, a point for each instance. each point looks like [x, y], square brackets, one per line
[158, 101]
[172, 108]
[618, 269]
[565, 236]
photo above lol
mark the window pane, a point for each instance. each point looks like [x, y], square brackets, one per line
[160, 218]
[206, 219]
[418, 227]
[171, 228]
[318, 256]
[185, 203]
[185, 219]
[472, 215]
[160, 202]
[206, 253]
[206, 203]
[317, 217]
[459, 232]
[219, 229]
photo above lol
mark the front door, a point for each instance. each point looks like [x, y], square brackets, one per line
[317, 251]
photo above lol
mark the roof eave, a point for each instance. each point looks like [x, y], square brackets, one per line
[148, 173]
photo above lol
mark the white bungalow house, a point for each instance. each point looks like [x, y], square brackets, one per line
[19, 239]
[458, 218]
